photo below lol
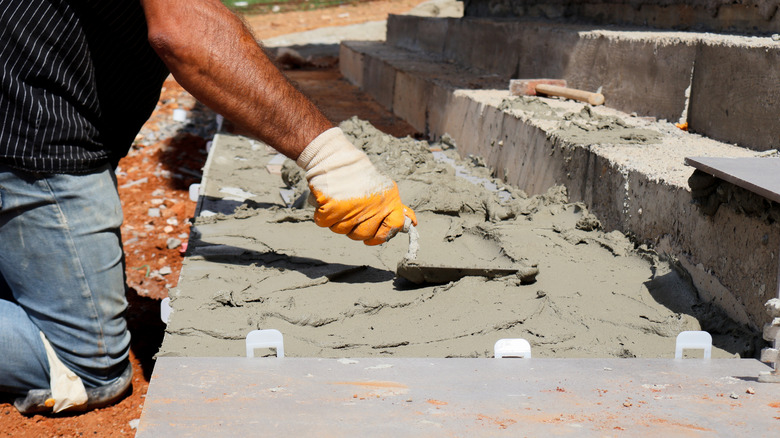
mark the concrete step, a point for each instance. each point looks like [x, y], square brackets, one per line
[726, 86]
[744, 16]
[633, 177]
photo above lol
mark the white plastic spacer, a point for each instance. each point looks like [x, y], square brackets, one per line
[696, 340]
[194, 192]
[268, 338]
[165, 309]
[516, 347]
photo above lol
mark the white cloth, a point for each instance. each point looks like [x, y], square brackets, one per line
[67, 389]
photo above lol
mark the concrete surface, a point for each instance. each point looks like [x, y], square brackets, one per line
[745, 16]
[388, 397]
[732, 82]
[629, 170]
[254, 264]
[735, 92]
[642, 191]
[325, 40]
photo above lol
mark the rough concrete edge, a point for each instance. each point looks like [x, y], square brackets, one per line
[735, 95]
[205, 179]
[661, 67]
[215, 142]
[468, 121]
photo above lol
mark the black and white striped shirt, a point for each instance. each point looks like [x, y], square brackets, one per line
[77, 81]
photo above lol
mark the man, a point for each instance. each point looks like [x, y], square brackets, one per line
[77, 80]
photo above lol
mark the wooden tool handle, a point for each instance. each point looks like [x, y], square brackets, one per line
[571, 93]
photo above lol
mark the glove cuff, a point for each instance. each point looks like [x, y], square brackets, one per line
[339, 170]
[318, 149]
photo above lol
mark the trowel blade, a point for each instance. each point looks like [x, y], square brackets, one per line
[420, 273]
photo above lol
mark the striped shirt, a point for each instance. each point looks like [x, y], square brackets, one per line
[77, 81]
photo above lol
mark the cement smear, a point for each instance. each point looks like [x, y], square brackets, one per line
[584, 126]
[267, 266]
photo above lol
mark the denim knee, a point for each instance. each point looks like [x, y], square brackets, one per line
[63, 262]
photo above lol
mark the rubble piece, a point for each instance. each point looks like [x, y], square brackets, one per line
[143, 180]
[773, 307]
[173, 243]
[274, 166]
[180, 115]
[772, 334]
[770, 355]
[772, 330]
[288, 196]
[153, 212]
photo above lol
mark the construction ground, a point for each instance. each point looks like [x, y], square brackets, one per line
[621, 243]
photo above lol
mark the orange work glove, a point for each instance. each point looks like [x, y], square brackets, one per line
[349, 193]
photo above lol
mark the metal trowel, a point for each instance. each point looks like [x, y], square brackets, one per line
[418, 273]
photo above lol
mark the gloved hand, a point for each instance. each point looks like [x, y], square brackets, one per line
[350, 195]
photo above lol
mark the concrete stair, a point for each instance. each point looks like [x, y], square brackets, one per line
[449, 78]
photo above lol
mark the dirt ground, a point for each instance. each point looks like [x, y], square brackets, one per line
[157, 173]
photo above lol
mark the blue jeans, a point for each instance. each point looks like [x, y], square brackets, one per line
[62, 273]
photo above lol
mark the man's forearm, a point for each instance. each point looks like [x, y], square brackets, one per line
[213, 56]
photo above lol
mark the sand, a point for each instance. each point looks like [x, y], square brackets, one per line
[257, 264]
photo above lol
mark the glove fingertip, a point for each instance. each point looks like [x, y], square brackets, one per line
[408, 212]
[374, 241]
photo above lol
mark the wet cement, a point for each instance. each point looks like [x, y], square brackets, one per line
[585, 126]
[269, 266]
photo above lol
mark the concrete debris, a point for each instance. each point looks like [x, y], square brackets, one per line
[772, 330]
[173, 243]
[771, 355]
[527, 274]
[773, 307]
[143, 180]
[153, 212]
